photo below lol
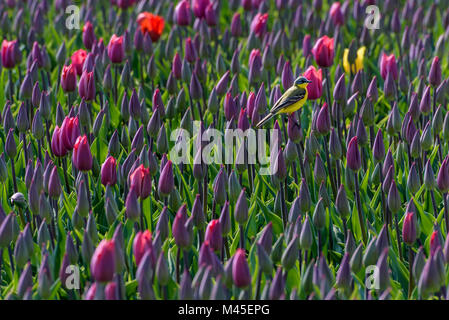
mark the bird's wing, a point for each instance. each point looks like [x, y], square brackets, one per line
[291, 96]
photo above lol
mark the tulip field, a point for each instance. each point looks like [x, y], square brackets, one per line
[118, 180]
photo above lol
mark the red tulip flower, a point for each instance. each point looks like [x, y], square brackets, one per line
[86, 86]
[70, 131]
[151, 24]
[259, 24]
[213, 235]
[388, 64]
[78, 58]
[140, 181]
[315, 88]
[102, 264]
[68, 78]
[323, 51]
[109, 171]
[82, 157]
[116, 49]
[9, 54]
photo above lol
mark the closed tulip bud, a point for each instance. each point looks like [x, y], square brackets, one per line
[141, 245]
[443, 176]
[418, 263]
[341, 203]
[179, 228]
[426, 104]
[429, 177]
[384, 276]
[371, 253]
[241, 208]
[166, 180]
[306, 237]
[379, 147]
[389, 86]
[54, 184]
[403, 81]
[86, 86]
[323, 123]
[280, 168]
[409, 229]
[434, 241]
[413, 180]
[25, 280]
[240, 270]
[394, 199]
[344, 277]
[356, 259]
[18, 199]
[290, 256]
[132, 205]
[435, 72]
[429, 280]
[213, 235]
[319, 171]
[197, 212]
[426, 140]
[10, 146]
[353, 157]
[102, 264]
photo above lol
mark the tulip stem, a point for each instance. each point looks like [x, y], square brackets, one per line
[331, 175]
[446, 218]
[398, 236]
[410, 268]
[66, 179]
[11, 86]
[301, 163]
[178, 254]
[13, 171]
[259, 280]
[328, 79]
[242, 237]
[142, 223]
[434, 204]
[284, 218]
[86, 180]
[11, 261]
[25, 151]
[47, 130]
[359, 207]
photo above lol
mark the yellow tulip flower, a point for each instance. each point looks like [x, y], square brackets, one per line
[358, 61]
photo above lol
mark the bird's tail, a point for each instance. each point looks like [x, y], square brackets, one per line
[264, 120]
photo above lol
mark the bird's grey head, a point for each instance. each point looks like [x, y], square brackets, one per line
[301, 81]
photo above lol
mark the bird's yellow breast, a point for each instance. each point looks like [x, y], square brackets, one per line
[296, 106]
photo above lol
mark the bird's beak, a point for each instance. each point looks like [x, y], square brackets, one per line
[308, 81]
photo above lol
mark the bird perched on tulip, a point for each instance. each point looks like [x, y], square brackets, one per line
[293, 99]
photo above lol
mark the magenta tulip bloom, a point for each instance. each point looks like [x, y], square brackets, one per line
[388, 64]
[116, 49]
[70, 131]
[86, 87]
[183, 16]
[323, 51]
[68, 78]
[102, 264]
[57, 146]
[81, 156]
[109, 171]
[140, 181]
[259, 24]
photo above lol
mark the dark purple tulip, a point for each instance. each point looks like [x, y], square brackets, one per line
[323, 122]
[353, 157]
[177, 66]
[379, 147]
[222, 84]
[435, 72]
[236, 25]
[88, 35]
[293, 128]
[132, 205]
[54, 184]
[241, 208]
[182, 14]
[179, 228]
[166, 180]
[443, 176]
[287, 76]
[102, 264]
[426, 104]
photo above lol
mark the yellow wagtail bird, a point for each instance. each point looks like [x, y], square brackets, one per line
[293, 99]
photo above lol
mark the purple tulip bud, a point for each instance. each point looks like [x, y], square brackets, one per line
[435, 73]
[179, 229]
[425, 105]
[277, 286]
[240, 270]
[379, 147]
[166, 180]
[236, 26]
[54, 184]
[241, 209]
[443, 176]
[287, 76]
[353, 157]
[132, 205]
[213, 235]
